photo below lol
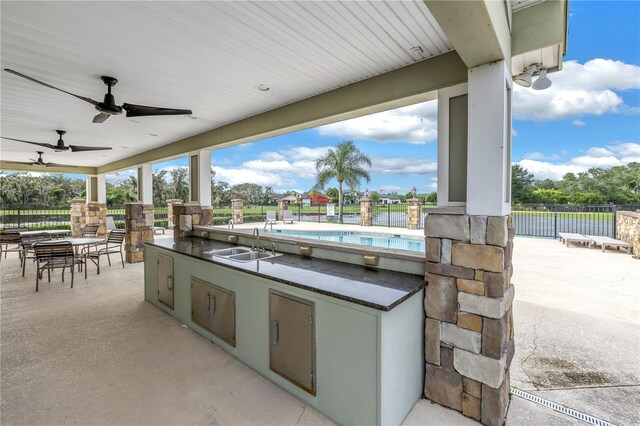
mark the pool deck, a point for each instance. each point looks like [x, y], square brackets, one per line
[321, 226]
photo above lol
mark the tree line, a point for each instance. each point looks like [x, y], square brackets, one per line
[55, 190]
[617, 185]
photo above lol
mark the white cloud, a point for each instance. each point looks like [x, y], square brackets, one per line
[578, 123]
[604, 157]
[402, 166]
[415, 124]
[579, 89]
[390, 188]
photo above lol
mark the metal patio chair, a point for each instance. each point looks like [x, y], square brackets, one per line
[90, 231]
[26, 246]
[113, 245]
[10, 237]
[55, 255]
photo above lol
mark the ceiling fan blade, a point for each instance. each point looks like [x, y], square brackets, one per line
[78, 148]
[57, 165]
[143, 111]
[100, 118]
[89, 100]
[46, 145]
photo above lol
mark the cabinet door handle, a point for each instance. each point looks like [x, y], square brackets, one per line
[212, 304]
[274, 332]
[207, 298]
[169, 282]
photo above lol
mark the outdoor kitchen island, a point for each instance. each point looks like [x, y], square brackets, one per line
[345, 339]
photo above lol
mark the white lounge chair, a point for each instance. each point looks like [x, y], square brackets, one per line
[568, 237]
[287, 216]
[111, 224]
[605, 242]
[271, 218]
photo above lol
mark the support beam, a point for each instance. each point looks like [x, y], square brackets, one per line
[489, 150]
[9, 166]
[405, 86]
[478, 29]
[200, 177]
[145, 184]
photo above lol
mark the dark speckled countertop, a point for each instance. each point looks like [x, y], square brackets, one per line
[377, 289]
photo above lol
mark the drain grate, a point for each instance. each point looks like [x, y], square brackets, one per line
[561, 408]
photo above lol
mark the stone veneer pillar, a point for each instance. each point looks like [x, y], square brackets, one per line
[138, 226]
[97, 215]
[413, 213]
[237, 212]
[78, 216]
[469, 321]
[170, 203]
[186, 216]
[628, 230]
[366, 215]
[282, 206]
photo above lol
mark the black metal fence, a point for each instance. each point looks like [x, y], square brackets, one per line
[547, 220]
[35, 218]
[538, 220]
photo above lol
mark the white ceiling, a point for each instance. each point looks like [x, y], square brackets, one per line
[206, 56]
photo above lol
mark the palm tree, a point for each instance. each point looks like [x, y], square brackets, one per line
[346, 163]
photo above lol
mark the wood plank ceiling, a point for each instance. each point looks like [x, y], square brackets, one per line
[206, 56]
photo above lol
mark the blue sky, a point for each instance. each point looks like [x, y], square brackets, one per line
[588, 118]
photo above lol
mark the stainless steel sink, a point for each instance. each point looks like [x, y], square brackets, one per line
[229, 251]
[251, 256]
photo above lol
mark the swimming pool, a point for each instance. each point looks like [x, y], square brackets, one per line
[389, 241]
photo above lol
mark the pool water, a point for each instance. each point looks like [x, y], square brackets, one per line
[389, 241]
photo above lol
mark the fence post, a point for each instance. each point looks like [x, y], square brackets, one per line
[613, 210]
[318, 213]
[555, 224]
[299, 213]
[19, 219]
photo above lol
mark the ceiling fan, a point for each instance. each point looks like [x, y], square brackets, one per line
[39, 162]
[108, 106]
[60, 146]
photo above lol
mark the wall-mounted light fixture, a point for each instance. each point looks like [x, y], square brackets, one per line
[525, 79]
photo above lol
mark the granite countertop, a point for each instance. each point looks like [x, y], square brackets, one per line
[377, 289]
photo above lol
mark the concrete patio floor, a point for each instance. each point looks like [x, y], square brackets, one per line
[99, 354]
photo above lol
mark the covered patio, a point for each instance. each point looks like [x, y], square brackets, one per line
[248, 71]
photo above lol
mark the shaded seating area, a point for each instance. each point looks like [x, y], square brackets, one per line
[51, 255]
[113, 245]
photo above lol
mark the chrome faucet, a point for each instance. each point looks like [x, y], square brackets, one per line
[256, 233]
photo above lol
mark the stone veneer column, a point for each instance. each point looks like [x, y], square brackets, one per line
[96, 214]
[138, 226]
[186, 216]
[366, 215]
[237, 212]
[469, 326]
[170, 203]
[78, 216]
[282, 206]
[628, 230]
[207, 215]
[413, 213]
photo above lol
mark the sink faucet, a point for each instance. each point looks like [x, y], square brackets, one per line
[256, 233]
